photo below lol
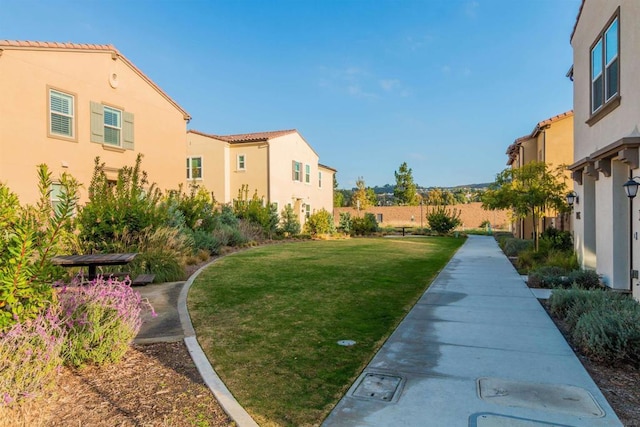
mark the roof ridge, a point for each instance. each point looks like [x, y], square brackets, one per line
[21, 44]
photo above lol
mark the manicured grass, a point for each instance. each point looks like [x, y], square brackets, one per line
[269, 318]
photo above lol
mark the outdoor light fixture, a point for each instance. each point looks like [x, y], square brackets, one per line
[572, 198]
[631, 187]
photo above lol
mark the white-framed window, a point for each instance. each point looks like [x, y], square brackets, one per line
[61, 113]
[307, 213]
[241, 162]
[112, 126]
[319, 179]
[307, 174]
[605, 69]
[55, 195]
[297, 171]
[194, 167]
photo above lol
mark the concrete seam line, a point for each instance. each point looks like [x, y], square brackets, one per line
[217, 387]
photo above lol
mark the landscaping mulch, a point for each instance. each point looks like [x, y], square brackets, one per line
[154, 385]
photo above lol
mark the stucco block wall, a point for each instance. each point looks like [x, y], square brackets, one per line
[471, 215]
[27, 75]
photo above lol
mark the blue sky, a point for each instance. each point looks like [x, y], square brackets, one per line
[444, 85]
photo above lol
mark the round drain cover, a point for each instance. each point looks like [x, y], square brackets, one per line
[346, 343]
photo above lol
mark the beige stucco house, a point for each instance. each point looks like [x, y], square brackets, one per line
[551, 141]
[606, 85]
[63, 104]
[280, 165]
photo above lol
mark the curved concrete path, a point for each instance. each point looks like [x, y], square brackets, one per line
[477, 350]
[173, 323]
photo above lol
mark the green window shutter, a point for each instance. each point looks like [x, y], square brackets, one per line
[293, 170]
[127, 130]
[97, 122]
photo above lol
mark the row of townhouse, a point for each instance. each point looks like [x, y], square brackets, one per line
[606, 99]
[602, 148]
[550, 141]
[64, 104]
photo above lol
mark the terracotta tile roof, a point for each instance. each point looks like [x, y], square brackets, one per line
[327, 167]
[86, 47]
[247, 137]
[555, 118]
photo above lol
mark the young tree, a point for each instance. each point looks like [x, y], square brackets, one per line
[338, 196]
[405, 189]
[529, 190]
[362, 196]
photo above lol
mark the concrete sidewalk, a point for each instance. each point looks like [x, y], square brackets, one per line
[476, 350]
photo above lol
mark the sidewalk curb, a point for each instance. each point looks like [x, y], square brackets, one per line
[228, 403]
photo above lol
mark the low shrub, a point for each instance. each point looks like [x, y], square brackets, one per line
[320, 222]
[586, 279]
[290, 224]
[557, 239]
[250, 232]
[229, 235]
[610, 334]
[513, 247]
[101, 320]
[561, 300]
[566, 260]
[205, 240]
[345, 222]
[548, 277]
[443, 220]
[367, 224]
[30, 357]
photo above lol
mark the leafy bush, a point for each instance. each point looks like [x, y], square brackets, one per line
[290, 223]
[127, 208]
[485, 224]
[29, 237]
[207, 241]
[610, 334]
[557, 239]
[320, 222]
[566, 260]
[443, 220]
[256, 210]
[513, 246]
[367, 224]
[345, 223]
[548, 277]
[196, 207]
[229, 235]
[585, 279]
[250, 232]
[101, 320]
[30, 357]
[226, 217]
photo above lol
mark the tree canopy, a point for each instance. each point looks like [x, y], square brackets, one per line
[405, 190]
[529, 190]
[363, 196]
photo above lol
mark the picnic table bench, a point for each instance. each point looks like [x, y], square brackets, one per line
[92, 261]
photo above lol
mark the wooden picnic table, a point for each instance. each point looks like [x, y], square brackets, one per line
[93, 260]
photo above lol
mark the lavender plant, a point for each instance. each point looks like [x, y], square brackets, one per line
[30, 357]
[101, 320]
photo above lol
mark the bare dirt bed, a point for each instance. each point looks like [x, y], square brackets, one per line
[154, 385]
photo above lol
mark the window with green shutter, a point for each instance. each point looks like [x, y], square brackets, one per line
[61, 113]
[112, 126]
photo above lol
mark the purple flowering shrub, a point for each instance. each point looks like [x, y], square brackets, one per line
[101, 320]
[30, 357]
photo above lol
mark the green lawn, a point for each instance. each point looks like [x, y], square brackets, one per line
[269, 318]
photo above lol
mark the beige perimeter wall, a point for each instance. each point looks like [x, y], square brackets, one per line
[472, 215]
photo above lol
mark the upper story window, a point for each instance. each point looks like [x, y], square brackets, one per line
[605, 70]
[194, 167]
[61, 114]
[297, 171]
[307, 174]
[319, 179]
[241, 162]
[111, 126]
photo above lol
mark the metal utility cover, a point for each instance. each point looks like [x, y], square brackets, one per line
[497, 420]
[549, 397]
[375, 386]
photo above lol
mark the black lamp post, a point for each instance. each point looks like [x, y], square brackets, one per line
[572, 197]
[631, 189]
